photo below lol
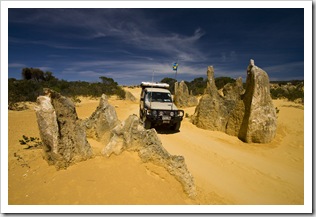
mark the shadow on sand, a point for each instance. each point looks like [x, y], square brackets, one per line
[165, 130]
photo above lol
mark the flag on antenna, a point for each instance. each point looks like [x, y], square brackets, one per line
[175, 66]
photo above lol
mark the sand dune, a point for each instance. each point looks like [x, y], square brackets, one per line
[226, 170]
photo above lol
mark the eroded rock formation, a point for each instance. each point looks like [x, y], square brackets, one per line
[64, 137]
[131, 136]
[248, 114]
[210, 85]
[62, 133]
[259, 122]
[129, 96]
[213, 110]
[102, 120]
[182, 97]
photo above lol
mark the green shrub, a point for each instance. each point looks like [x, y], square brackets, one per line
[291, 94]
[171, 83]
[197, 86]
[30, 142]
[220, 82]
[31, 86]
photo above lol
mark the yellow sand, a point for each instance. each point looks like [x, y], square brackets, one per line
[225, 170]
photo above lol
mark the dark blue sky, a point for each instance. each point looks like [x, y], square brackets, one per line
[129, 44]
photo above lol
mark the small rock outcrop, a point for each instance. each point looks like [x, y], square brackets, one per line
[102, 120]
[17, 106]
[233, 91]
[182, 97]
[131, 136]
[248, 114]
[129, 96]
[62, 133]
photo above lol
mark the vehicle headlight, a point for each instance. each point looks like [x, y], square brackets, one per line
[154, 113]
[171, 114]
[148, 112]
[160, 113]
[180, 113]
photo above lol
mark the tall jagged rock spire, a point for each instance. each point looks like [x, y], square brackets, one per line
[102, 120]
[259, 122]
[210, 85]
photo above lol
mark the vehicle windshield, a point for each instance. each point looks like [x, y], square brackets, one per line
[158, 97]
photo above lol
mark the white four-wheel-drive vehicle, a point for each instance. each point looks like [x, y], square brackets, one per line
[157, 108]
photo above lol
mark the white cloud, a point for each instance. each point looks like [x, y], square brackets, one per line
[128, 25]
[44, 68]
[21, 65]
[130, 69]
[47, 43]
[16, 65]
[285, 68]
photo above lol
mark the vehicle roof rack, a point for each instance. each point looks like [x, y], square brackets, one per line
[145, 84]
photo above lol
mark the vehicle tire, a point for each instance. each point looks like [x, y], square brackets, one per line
[140, 114]
[176, 126]
[147, 124]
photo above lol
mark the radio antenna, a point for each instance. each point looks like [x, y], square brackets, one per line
[153, 75]
[152, 85]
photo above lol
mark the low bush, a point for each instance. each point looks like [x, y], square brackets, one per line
[30, 87]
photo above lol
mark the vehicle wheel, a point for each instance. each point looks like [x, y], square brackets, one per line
[147, 124]
[176, 126]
